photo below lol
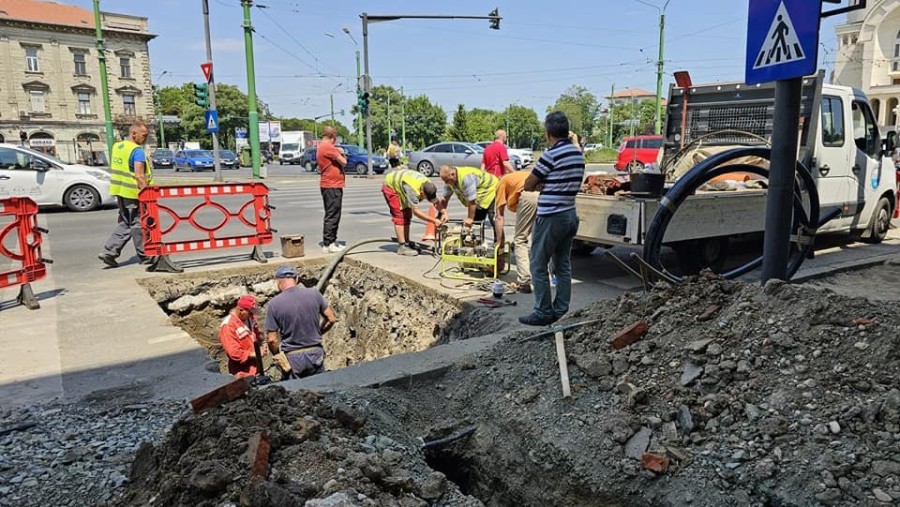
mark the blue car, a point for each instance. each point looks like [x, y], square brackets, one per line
[194, 160]
[357, 160]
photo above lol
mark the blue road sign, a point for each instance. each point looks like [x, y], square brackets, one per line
[212, 121]
[782, 39]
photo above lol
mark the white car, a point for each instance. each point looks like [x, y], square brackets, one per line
[592, 147]
[50, 182]
[519, 158]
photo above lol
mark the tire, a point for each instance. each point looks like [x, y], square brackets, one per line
[880, 223]
[582, 248]
[362, 169]
[634, 167]
[309, 167]
[82, 198]
[696, 255]
[281, 162]
[516, 162]
[426, 168]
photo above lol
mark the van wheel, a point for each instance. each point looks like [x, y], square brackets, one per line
[82, 198]
[881, 222]
[309, 167]
[696, 255]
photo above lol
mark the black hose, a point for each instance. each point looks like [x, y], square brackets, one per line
[712, 167]
[326, 275]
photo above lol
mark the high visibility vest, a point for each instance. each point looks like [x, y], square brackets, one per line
[122, 181]
[414, 179]
[486, 189]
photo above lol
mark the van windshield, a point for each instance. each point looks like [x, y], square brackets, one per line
[290, 147]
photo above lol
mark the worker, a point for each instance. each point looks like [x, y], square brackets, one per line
[241, 339]
[130, 172]
[475, 189]
[511, 195]
[403, 190]
[296, 319]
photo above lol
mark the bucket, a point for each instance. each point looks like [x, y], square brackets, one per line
[292, 246]
[649, 184]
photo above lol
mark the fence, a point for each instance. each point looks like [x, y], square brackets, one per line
[33, 265]
[154, 234]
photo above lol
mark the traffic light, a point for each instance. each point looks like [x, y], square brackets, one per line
[363, 103]
[495, 19]
[201, 95]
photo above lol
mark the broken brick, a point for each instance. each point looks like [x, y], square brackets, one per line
[259, 448]
[708, 313]
[655, 462]
[221, 395]
[629, 335]
[862, 321]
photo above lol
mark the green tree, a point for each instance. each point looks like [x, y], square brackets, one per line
[481, 124]
[641, 113]
[379, 98]
[459, 129]
[290, 124]
[425, 122]
[179, 101]
[581, 107]
[523, 127]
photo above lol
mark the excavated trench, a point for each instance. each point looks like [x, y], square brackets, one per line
[379, 314]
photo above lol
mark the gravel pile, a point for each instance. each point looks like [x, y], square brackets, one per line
[75, 454]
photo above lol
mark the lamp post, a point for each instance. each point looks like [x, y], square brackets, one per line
[359, 118]
[332, 102]
[659, 61]
[161, 141]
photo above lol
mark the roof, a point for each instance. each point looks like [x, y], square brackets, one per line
[49, 12]
[633, 92]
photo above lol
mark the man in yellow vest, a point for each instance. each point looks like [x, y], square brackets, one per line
[475, 189]
[130, 172]
[403, 190]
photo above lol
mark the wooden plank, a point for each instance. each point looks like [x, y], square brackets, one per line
[563, 366]
[220, 395]
[262, 444]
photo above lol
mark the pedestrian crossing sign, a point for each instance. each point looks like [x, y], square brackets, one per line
[212, 121]
[782, 39]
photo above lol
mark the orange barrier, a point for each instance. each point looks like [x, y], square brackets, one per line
[33, 266]
[430, 229]
[154, 234]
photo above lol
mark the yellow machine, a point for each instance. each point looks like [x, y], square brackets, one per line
[467, 255]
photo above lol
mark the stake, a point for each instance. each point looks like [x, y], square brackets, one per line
[563, 366]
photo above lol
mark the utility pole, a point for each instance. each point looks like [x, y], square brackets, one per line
[104, 82]
[403, 117]
[612, 93]
[367, 82]
[253, 115]
[332, 110]
[389, 118]
[217, 164]
[159, 119]
[659, 70]
[359, 118]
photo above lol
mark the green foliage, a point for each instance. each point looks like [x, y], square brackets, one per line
[230, 102]
[291, 124]
[602, 156]
[523, 127]
[644, 114]
[459, 129]
[422, 118]
[425, 122]
[581, 107]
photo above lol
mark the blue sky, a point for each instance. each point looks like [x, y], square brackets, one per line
[541, 49]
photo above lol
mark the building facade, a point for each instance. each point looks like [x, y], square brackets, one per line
[629, 95]
[50, 93]
[868, 56]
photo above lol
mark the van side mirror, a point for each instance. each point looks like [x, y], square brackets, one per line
[889, 143]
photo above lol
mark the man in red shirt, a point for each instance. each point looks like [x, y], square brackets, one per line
[495, 159]
[240, 337]
[331, 161]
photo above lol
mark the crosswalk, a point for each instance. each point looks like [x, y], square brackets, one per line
[363, 203]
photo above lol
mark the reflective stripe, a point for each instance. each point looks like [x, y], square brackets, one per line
[485, 190]
[397, 179]
[126, 174]
[122, 180]
[123, 184]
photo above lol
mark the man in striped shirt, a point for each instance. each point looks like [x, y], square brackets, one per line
[557, 175]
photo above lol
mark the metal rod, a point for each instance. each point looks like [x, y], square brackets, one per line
[217, 163]
[253, 114]
[104, 82]
[368, 87]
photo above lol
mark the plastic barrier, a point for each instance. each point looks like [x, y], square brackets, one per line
[154, 235]
[29, 248]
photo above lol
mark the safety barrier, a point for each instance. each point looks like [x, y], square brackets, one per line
[33, 265]
[154, 234]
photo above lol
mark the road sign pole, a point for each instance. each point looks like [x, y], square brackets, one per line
[368, 89]
[659, 72]
[253, 115]
[782, 170]
[212, 90]
[359, 122]
[104, 82]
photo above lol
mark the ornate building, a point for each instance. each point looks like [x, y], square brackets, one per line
[868, 56]
[50, 85]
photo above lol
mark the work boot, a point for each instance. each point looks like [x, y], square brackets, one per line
[524, 288]
[407, 251]
[533, 319]
[109, 260]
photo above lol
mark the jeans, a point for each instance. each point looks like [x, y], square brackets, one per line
[127, 228]
[552, 240]
[332, 198]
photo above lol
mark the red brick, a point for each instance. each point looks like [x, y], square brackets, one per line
[221, 395]
[261, 443]
[708, 314]
[655, 462]
[629, 335]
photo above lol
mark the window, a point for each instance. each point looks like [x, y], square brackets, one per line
[128, 104]
[443, 148]
[84, 103]
[31, 60]
[80, 64]
[461, 148]
[37, 101]
[11, 159]
[125, 64]
[895, 64]
[652, 144]
[865, 130]
[832, 121]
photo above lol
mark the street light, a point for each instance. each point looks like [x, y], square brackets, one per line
[161, 142]
[332, 102]
[659, 61]
[359, 119]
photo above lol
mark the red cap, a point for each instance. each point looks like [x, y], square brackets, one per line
[248, 302]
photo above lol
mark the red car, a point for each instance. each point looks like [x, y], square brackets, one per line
[636, 150]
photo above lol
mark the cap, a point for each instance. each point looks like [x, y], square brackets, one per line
[248, 302]
[430, 192]
[286, 272]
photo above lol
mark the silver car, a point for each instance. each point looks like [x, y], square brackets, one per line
[429, 160]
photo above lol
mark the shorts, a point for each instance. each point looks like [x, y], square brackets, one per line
[394, 162]
[308, 362]
[398, 216]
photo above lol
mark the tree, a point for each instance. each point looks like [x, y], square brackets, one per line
[459, 129]
[523, 127]
[379, 98]
[643, 114]
[581, 107]
[179, 101]
[290, 124]
[425, 122]
[481, 124]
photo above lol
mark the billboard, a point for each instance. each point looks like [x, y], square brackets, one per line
[270, 131]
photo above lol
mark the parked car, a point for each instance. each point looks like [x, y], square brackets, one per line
[229, 159]
[162, 158]
[592, 147]
[358, 160]
[430, 160]
[308, 159]
[638, 151]
[51, 182]
[194, 160]
[519, 158]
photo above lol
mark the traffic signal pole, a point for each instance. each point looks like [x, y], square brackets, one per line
[253, 115]
[212, 91]
[367, 82]
[104, 82]
[359, 132]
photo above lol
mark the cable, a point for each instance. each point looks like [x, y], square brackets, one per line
[291, 36]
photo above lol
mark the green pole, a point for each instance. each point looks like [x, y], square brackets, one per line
[104, 82]
[389, 118]
[253, 116]
[159, 119]
[403, 117]
[359, 118]
[659, 73]
[612, 92]
[332, 110]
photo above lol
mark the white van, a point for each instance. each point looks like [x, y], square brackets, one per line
[50, 182]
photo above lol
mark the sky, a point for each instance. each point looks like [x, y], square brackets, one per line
[542, 48]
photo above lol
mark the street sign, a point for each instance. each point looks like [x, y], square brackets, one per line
[207, 71]
[782, 39]
[212, 121]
